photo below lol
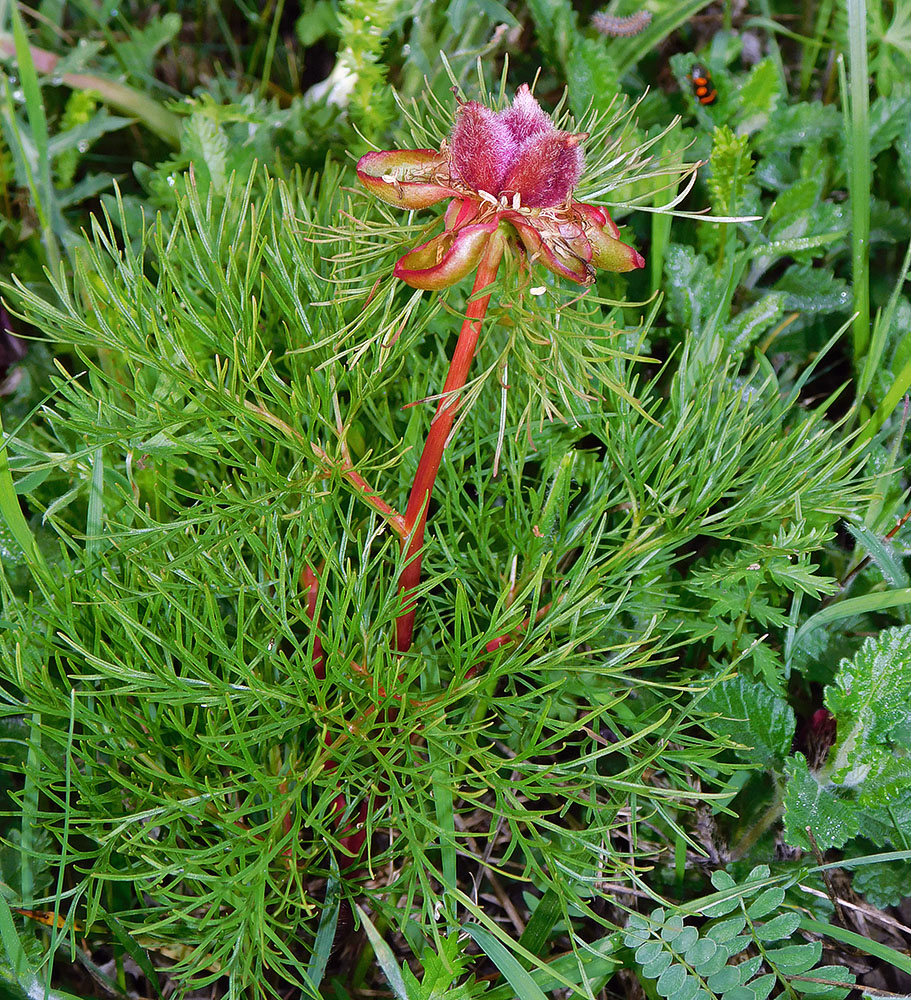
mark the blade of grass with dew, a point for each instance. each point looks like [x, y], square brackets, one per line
[119, 96]
[857, 129]
[43, 195]
[384, 956]
[325, 934]
[890, 567]
[518, 977]
[853, 606]
[866, 945]
[893, 397]
[881, 326]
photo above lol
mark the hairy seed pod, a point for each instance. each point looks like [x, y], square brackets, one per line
[621, 27]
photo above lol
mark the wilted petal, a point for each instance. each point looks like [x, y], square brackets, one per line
[526, 116]
[482, 147]
[568, 258]
[446, 258]
[459, 213]
[408, 178]
[546, 170]
[597, 216]
[611, 254]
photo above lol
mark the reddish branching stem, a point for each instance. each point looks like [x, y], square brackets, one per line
[310, 585]
[366, 493]
[440, 427]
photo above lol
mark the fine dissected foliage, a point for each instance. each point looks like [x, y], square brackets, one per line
[592, 701]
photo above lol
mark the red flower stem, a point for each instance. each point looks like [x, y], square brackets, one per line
[310, 583]
[440, 426]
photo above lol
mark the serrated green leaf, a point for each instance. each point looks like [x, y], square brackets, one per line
[808, 802]
[768, 900]
[744, 329]
[870, 698]
[795, 959]
[754, 716]
[884, 884]
[782, 926]
[732, 167]
[759, 96]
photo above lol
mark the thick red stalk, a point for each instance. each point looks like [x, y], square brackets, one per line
[440, 426]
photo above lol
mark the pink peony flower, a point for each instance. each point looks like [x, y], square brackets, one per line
[509, 170]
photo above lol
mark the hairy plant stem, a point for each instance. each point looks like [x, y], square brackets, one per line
[440, 426]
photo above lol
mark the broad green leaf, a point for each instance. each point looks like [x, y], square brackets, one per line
[701, 952]
[763, 985]
[754, 716]
[883, 884]
[671, 981]
[795, 959]
[782, 926]
[838, 973]
[740, 993]
[726, 979]
[649, 951]
[654, 968]
[871, 698]
[765, 903]
[814, 803]
[726, 930]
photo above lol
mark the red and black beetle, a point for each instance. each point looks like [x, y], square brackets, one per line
[703, 88]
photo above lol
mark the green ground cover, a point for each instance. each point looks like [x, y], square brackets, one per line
[577, 666]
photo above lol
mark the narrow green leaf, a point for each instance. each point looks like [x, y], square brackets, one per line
[867, 604]
[384, 956]
[865, 945]
[139, 955]
[325, 934]
[517, 976]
